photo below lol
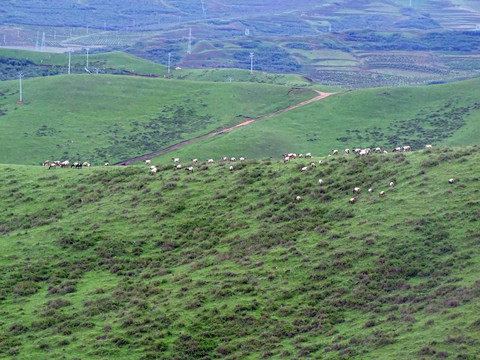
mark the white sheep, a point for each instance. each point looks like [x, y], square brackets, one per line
[320, 181]
[335, 152]
[230, 168]
[346, 151]
[319, 162]
[298, 198]
[428, 147]
[312, 165]
[152, 170]
[352, 200]
[195, 160]
[356, 190]
[243, 158]
[308, 155]
[392, 184]
[107, 164]
[189, 169]
[178, 167]
[210, 161]
[147, 161]
[370, 190]
[176, 160]
[382, 193]
[233, 159]
[451, 181]
[303, 169]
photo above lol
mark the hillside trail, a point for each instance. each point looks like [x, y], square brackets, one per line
[321, 95]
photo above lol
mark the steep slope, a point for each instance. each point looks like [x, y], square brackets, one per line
[115, 263]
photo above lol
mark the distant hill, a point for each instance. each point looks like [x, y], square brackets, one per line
[350, 44]
[115, 263]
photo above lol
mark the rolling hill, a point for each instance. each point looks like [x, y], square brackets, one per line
[110, 118]
[110, 262]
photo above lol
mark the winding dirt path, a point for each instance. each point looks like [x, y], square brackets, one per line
[321, 95]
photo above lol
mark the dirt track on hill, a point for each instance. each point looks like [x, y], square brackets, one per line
[321, 95]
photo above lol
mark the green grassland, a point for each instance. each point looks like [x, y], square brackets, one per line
[111, 262]
[111, 118]
[446, 114]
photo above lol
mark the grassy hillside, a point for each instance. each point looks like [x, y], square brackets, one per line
[114, 263]
[112, 118]
[447, 114]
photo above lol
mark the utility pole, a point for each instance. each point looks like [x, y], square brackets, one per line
[189, 48]
[69, 60]
[87, 56]
[251, 63]
[169, 56]
[20, 75]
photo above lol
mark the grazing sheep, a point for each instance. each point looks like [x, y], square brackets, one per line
[370, 190]
[406, 148]
[230, 168]
[107, 164]
[385, 151]
[286, 159]
[378, 150]
[303, 169]
[176, 160]
[178, 167]
[152, 170]
[320, 181]
[46, 163]
[86, 164]
[352, 200]
[356, 190]
[298, 198]
[300, 156]
[319, 162]
[392, 184]
[233, 159]
[64, 164]
[451, 181]
[210, 161]
[147, 162]
[346, 151]
[382, 193]
[189, 169]
[428, 147]
[53, 165]
[308, 155]
[312, 165]
[76, 165]
[243, 158]
[356, 151]
[195, 160]
[224, 158]
[397, 149]
[335, 152]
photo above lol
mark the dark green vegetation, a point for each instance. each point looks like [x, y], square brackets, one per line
[345, 43]
[114, 263]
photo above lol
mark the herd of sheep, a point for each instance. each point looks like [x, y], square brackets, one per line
[286, 158]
